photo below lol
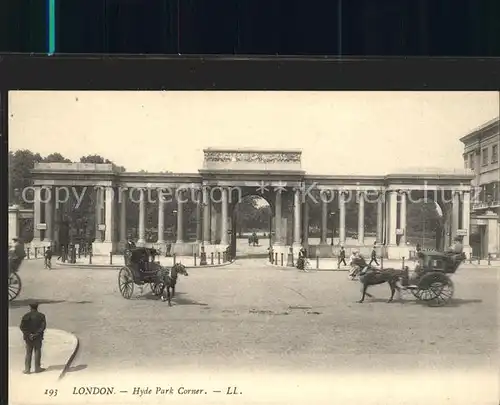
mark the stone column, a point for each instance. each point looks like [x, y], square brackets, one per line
[161, 217]
[37, 214]
[49, 214]
[180, 216]
[305, 230]
[361, 218]
[110, 215]
[278, 220]
[296, 219]
[324, 221]
[199, 236]
[403, 217]
[224, 217]
[341, 217]
[98, 213]
[380, 224]
[455, 213]
[466, 217]
[142, 218]
[123, 216]
[206, 216]
[392, 218]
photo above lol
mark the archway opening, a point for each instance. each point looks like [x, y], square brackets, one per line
[252, 230]
[426, 224]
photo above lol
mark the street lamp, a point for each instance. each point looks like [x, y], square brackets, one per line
[175, 224]
[332, 215]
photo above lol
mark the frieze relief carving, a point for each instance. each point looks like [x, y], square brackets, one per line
[252, 157]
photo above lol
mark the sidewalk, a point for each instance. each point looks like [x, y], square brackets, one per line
[118, 261]
[58, 349]
[330, 264]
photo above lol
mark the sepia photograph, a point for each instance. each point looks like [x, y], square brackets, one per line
[253, 247]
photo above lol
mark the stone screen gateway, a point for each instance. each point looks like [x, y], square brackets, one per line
[230, 174]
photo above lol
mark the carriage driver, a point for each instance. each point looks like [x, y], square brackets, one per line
[16, 254]
[455, 250]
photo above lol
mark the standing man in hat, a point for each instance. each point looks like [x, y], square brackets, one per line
[33, 326]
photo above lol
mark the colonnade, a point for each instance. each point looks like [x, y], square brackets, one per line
[110, 204]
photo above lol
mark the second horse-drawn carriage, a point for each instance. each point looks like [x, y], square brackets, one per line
[140, 269]
[429, 282]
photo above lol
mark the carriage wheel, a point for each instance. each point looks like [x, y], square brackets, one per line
[435, 288]
[14, 286]
[442, 291]
[156, 288]
[126, 282]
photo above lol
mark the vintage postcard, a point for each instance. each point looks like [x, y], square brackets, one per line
[265, 247]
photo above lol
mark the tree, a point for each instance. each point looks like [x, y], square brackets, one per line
[98, 159]
[21, 162]
[94, 159]
[56, 158]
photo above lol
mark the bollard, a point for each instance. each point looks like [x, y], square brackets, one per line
[224, 257]
[90, 257]
[276, 258]
[218, 257]
[403, 263]
[194, 255]
[110, 258]
[27, 253]
[281, 259]
[36, 253]
[489, 259]
[479, 260]
[382, 262]
[470, 258]
[212, 258]
[79, 251]
[317, 262]
[174, 257]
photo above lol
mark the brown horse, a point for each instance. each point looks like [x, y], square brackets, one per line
[375, 276]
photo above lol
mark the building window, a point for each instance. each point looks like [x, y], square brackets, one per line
[471, 161]
[494, 154]
[485, 156]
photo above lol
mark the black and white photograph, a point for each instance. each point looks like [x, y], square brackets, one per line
[253, 247]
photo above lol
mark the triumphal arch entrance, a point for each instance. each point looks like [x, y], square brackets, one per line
[227, 176]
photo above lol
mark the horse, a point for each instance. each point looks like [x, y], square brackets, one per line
[375, 276]
[167, 279]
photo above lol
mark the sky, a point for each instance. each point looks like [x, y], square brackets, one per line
[338, 132]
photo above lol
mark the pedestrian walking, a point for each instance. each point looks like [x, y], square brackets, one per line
[48, 258]
[373, 257]
[341, 257]
[33, 326]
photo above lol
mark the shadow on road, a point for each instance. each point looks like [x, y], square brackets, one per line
[26, 302]
[176, 300]
[455, 302]
[69, 370]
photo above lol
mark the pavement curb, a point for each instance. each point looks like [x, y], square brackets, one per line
[52, 338]
[308, 270]
[119, 266]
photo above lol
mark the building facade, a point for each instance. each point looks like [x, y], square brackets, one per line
[481, 155]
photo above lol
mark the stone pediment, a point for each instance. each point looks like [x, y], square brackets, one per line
[251, 159]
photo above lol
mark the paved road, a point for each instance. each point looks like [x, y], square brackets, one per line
[253, 317]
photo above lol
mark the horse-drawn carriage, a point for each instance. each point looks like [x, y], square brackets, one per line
[429, 282]
[14, 279]
[140, 270]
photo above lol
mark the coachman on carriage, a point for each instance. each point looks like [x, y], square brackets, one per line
[141, 269]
